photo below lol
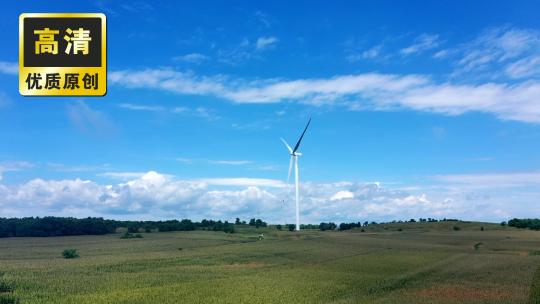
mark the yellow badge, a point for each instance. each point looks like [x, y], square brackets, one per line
[62, 54]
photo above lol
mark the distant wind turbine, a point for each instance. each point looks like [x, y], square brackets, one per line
[294, 159]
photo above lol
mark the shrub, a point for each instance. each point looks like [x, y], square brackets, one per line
[278, 227]
[129, 235]
[456, 228]
[399, 229]
[70, 254]
[228, 228]
[482, 228]
[291, 227]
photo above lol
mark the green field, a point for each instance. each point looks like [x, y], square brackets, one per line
[423, 263]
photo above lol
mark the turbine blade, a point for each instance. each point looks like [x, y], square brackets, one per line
[287, 145]
[290, 169]
[301, 136]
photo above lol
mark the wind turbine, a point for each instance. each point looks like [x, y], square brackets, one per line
[294, 159]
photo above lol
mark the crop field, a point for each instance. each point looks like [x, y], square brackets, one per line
[393, 263]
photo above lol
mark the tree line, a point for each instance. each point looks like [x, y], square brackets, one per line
[63, 226]
[533, 224]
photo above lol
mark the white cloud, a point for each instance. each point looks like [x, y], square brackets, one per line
[168, 79]
[12, 166]
[264, 19]
[206, 113]
[492, 180]
[184, 160]
[343, 194]
[5, 100]
[11, 68]
[231, 162]
[153, 195]
[122, 175]
[366, 54]
[76, 168]
[526, 67]
[422, 43]
[441, 54]
[265, 42]
[196, 58]
[86, 119]
[249, 164]
[201, 112]
[141, 107]
[372, 53]
[501, 51]
[374, 91]
[242, 181]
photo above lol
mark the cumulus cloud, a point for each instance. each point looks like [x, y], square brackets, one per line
[343, 194]
[152, 195]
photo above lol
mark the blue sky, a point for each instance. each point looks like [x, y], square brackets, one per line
[419, 109]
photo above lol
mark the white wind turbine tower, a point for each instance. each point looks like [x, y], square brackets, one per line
[294, 158]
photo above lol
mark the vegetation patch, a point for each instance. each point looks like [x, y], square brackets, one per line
[249, 265]
[399, 283]
[477, 245]
[6, 289]
[534, 293]
[463, 294]
[8, 299]
[70, 254]
[129, 235]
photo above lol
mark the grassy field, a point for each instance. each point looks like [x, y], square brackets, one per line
[422, 263]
